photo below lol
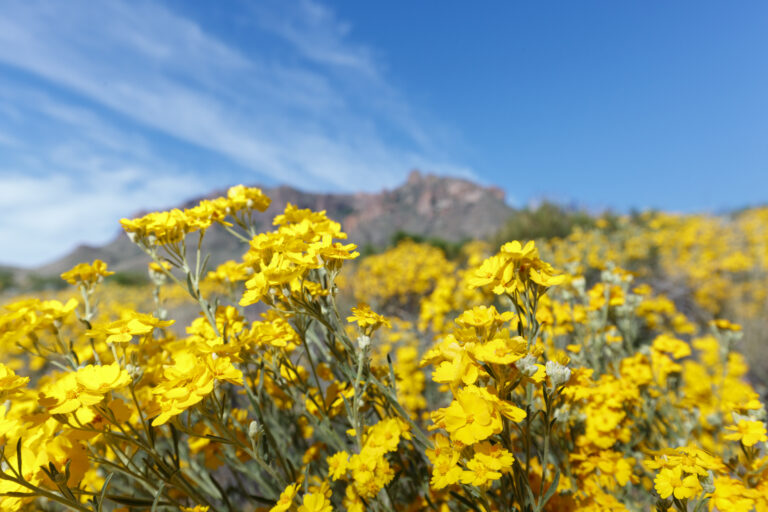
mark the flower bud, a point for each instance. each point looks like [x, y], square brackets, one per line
[557, 373]
[562, 415]
[134, 371]
[363, 342]
[254, 431]
[527, 366]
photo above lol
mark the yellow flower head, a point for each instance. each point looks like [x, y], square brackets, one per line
[286, 498]
[513, 268]
[367, 319]
[475, 415]
[672, 481]
[315, 502]
[86, 273]
[748, 432]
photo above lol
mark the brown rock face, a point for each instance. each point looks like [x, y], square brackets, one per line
[427, 205]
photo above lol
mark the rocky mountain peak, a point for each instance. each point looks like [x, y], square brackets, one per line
[427, 205]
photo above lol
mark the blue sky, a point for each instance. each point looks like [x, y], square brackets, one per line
[110, 107]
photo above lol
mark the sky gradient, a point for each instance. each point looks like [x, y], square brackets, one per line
[107, 108]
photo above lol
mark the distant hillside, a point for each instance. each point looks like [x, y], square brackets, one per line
[426, 205]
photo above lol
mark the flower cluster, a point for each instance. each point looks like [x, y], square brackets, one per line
[298, 377]
[282, 261]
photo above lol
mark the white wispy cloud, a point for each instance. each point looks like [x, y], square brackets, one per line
[75, 179]
[97, 83]
[316, 32]
[65, 211]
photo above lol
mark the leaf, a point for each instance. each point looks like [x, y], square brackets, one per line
[190, 288]
[130, 501]
[261, 499]
[175, 438]
[392, 374]
[531, 497]
[18, 456]
[463, 500]
[219, 439]
[550, 491]
[222, 493]
[151, 431]
[66, 470]
[205, 264]
[158, 494]
[104, 490]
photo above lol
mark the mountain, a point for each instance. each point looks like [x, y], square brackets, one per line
[452, 209]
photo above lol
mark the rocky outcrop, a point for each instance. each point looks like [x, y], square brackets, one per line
[453, 209]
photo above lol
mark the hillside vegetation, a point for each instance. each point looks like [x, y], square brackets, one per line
[557, 362]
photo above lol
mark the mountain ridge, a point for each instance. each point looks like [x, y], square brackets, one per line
[427, 205]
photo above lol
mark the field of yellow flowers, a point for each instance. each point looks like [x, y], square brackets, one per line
[593, 372]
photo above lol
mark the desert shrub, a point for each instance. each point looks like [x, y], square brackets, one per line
[544, 221]
[516, 384]
[7, 280]
[129, 278]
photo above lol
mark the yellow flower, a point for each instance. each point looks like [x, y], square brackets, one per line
[86, 273]
[445, 463]
[228, 272]
[725, 325]
[513, 267]
[502, 349]
[670, 345]
[83, 388]
[10, 382]
[637, 369]
[672, 481]
[484, 319]
[367, 319]
[459, 369]
[370, 472]
[337, 465]
[478, 473]
[240, 197]
[748, 432]
[730, 494]
[189, 380]
[315, 502]
[475, 415]
[160, 268]
[286, 498]
[494, 456]
[123, 330]
[170, 227]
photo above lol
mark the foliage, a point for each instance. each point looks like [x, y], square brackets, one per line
[549, 377]
[37, 283]
[129, 278]
[544, 221]
[450, 249]
[7, 280]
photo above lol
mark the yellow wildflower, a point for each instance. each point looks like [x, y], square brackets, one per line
[286, 498]
[748, 432]
[672, 481]
[86, 273]
[315, 502]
